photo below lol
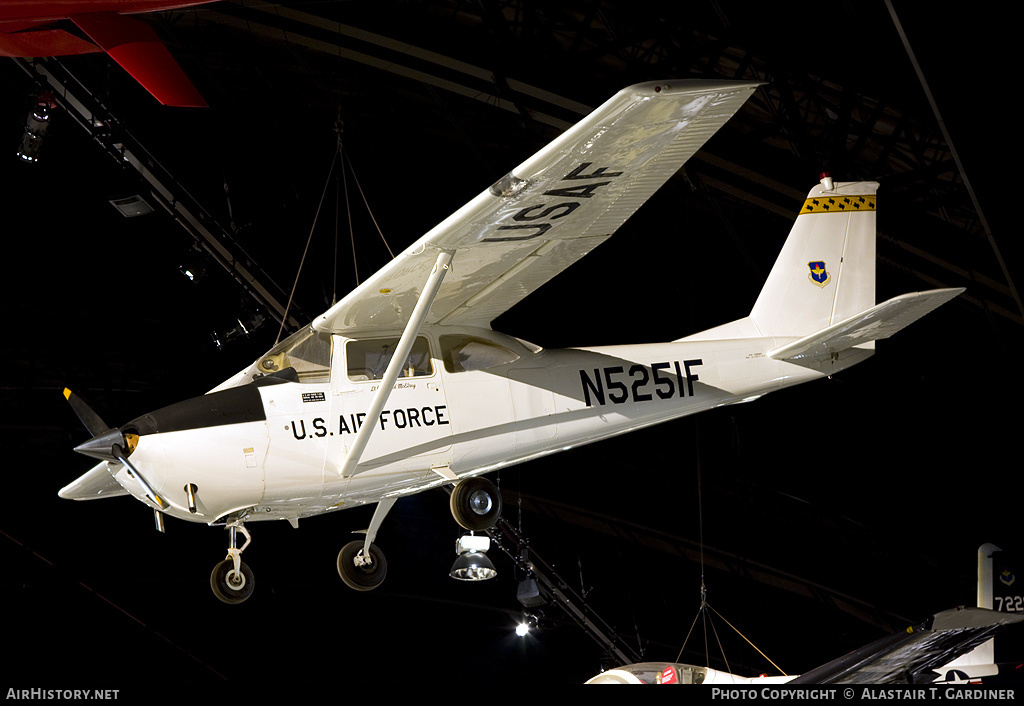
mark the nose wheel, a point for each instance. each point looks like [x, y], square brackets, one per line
[231, 586]
[232, 580]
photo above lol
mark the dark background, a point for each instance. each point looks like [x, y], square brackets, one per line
[825, 515]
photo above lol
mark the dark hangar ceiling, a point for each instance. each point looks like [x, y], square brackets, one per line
[827, 515]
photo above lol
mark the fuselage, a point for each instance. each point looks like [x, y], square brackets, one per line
[270, 443]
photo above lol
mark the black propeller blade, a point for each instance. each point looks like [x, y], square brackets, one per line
[90, 419]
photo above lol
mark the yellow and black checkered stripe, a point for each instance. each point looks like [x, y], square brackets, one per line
[839, 204]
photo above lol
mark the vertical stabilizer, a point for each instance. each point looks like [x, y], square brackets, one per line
[981, 661]
[826, 270]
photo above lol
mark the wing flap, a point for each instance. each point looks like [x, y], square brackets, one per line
[548, 212]
[27, 40]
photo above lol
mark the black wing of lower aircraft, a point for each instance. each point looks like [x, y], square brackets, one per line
[912, 656]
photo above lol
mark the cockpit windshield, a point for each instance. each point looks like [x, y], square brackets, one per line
[307, 351]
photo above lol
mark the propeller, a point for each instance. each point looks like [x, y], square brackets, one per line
[109, 444]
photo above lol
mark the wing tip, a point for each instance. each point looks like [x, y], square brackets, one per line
[691, 85]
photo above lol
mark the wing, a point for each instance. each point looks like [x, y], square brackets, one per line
[136, 47]
[130, 42]
[549, 211]
[903, 657]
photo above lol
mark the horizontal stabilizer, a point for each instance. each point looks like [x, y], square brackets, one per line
[96, 483]
[880, 321]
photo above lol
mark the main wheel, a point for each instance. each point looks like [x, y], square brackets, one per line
[230, 586]
[476, 504]
[358, 573]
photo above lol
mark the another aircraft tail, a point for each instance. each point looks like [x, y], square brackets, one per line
[997, 590]
[820, 294]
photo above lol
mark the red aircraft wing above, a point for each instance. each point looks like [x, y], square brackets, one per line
[33, 29]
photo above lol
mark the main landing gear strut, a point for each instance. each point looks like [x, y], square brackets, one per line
[475, 505]
[231, 580]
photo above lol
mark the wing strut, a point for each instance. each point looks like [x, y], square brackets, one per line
[419, 313]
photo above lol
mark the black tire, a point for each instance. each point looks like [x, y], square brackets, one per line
[366, 577]
[476, 504]
[228, 587]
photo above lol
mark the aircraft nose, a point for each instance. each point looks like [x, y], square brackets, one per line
[231, 406]
[109, 446]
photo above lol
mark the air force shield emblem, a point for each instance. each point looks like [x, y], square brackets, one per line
[819, 275]
[1006, 577]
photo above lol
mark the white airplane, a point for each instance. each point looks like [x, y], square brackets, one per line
[911, 656]
[403, 386]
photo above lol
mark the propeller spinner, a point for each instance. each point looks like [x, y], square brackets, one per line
[109, 444]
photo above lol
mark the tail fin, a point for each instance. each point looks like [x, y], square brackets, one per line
[821, 290]
[819, 299]
[825, 273]
[997, 590]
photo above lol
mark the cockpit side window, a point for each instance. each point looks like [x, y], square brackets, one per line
[368, 359]
[308, 352]
[462, 353]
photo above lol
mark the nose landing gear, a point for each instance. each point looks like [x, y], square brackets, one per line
[231, 580]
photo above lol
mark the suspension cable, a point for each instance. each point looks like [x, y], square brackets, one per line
[305, 251]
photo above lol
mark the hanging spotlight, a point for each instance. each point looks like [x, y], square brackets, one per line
[472, 563]
[132, 206]
[36, 123]
[528, 623]
[193, 271]
[528, 593]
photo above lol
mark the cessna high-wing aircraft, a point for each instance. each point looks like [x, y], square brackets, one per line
[403, 386]
[34, 28]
